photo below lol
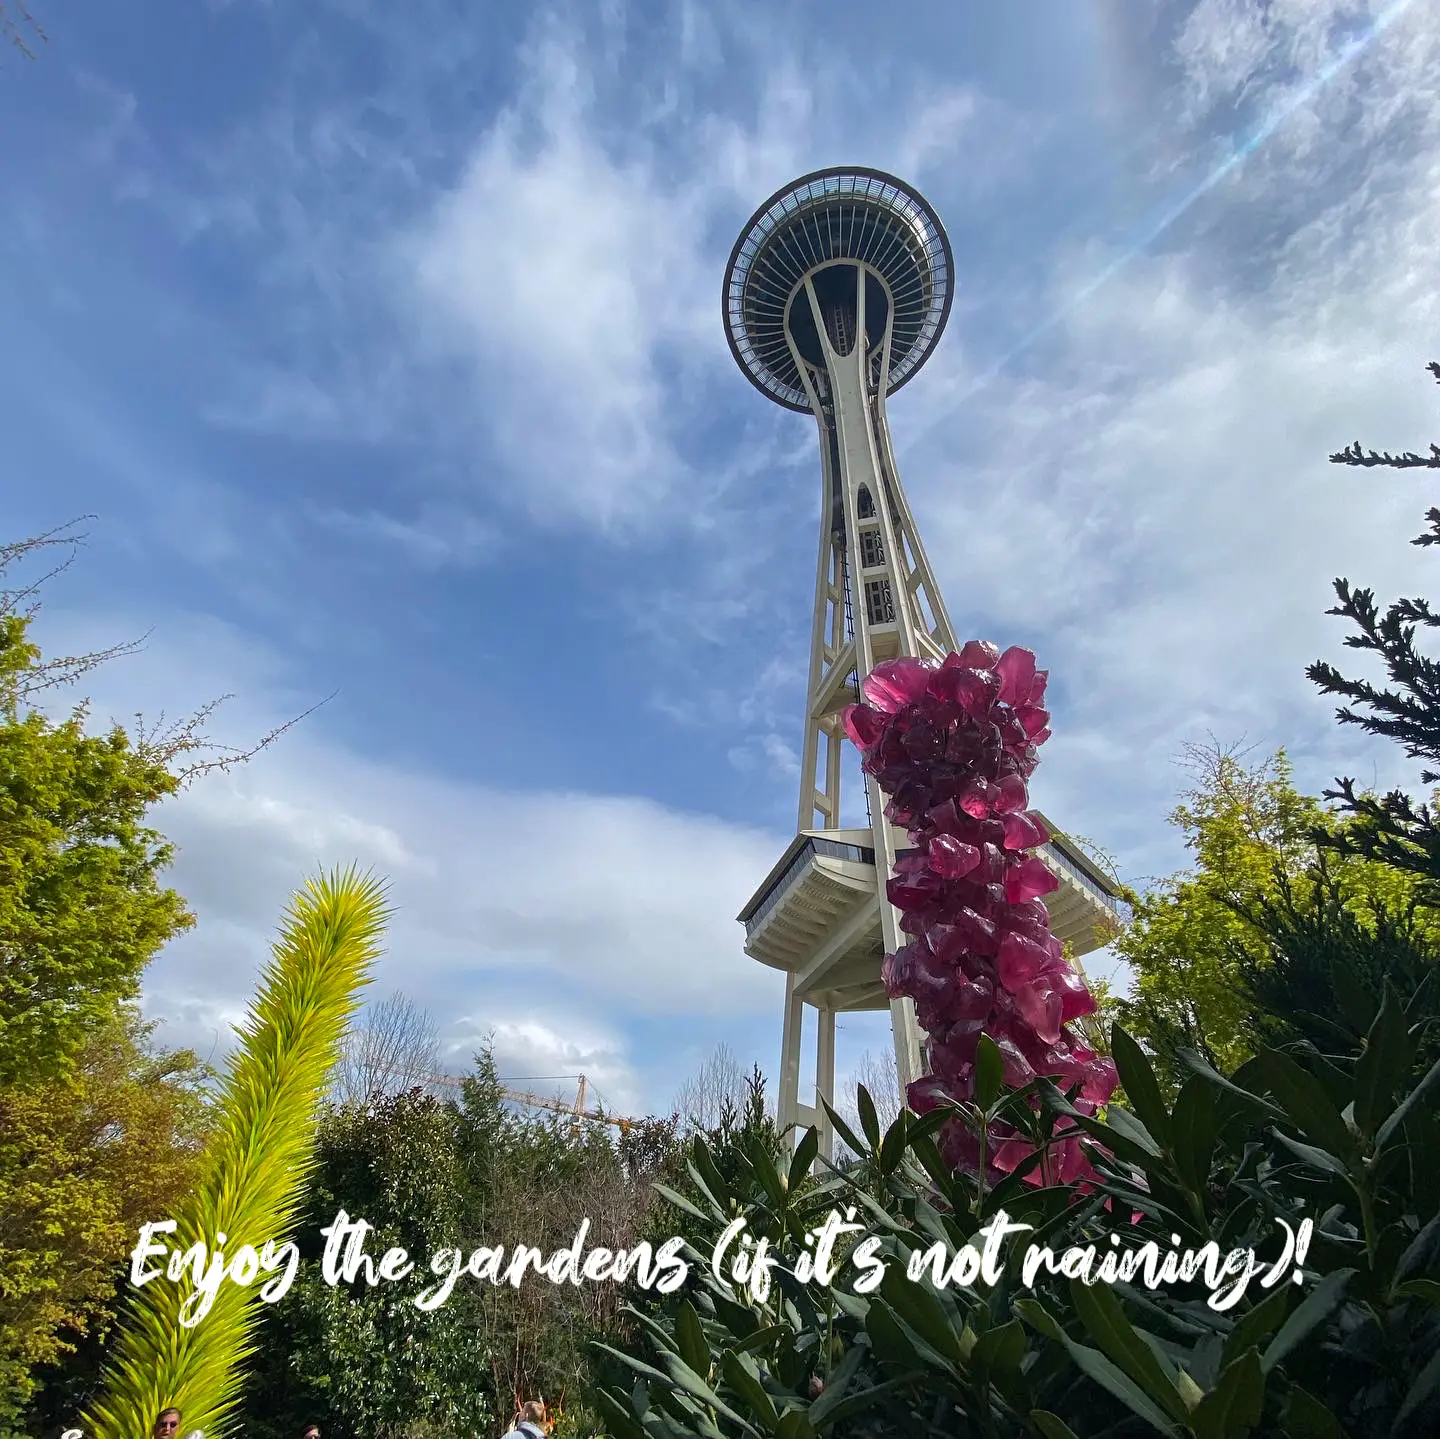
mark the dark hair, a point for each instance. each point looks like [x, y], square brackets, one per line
[170, 1410]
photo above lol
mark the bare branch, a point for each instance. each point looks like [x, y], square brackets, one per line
[719, 1086]
[395, 1049]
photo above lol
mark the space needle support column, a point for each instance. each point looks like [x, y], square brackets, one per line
[860, 467]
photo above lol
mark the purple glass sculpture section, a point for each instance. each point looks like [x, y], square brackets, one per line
[953, 747]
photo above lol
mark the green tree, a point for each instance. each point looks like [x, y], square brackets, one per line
[82, 906]
[1391, 827]
[84, 1160]
[365, 1361]
[82, 909]
[1199, 954]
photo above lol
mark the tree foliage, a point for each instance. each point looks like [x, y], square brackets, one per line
[1391, 827]
[82, 909]
[84, 1160]
[1207, 947]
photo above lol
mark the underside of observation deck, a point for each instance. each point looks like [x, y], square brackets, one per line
[817, 915]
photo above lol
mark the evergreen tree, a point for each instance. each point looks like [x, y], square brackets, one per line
[1391, 827]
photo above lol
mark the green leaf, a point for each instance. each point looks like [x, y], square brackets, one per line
[1256, 1324]
[683, 1377]
[1138, 1080]
[795, 1425]
[690, 1339]
[1306, 1104]
[1412, 1102]
[1315, 1308]
[1100, 1312]
[1000, 1350]
[767, 1174]
[1426, 1290]
[1422, 1393]
[1317, 1158]
[888, 1337]
[916, 1303]
[1383, 1063]
[1099, 1368]
[1307, 1418]
[843, 1130]
[1246, 1100]
[869, 1120]
[1233, 1407]
[682, 1204]
[805, 1153]
[989, 1072]
[893, 1146]
[748, 1387]
[836, 1384]
[1192, 1130]
[1050, 1426]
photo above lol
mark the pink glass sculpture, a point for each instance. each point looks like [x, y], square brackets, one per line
[953, 746]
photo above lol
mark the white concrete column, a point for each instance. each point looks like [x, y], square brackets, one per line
[788, 1094]
[825, 1081]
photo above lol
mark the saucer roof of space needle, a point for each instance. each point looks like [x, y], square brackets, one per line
[825, 221]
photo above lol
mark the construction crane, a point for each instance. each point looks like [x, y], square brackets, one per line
[534, 1101]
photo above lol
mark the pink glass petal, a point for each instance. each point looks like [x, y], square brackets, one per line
[1016, 668]
[893, 684]
[863, 725]
[1030, 879]
[952, 858]
[979, 654]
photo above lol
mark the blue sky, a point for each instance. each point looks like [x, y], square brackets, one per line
[384, 342]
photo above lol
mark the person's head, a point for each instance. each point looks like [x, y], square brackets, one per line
[532, 1411]
[312, 1431]
[167, 1424]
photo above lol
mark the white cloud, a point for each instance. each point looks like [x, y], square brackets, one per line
[558, 920]
[1146, 495]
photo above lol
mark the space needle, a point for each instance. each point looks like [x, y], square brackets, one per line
[836, 293]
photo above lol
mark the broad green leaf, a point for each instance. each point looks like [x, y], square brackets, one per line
[683, 1377]
[1233, 1407]
[1316, 1158]
[1426, 1290]
[893, 1146]
[1411, 1104]
[1050, 1426]
[916, 1303]
[837, 1382]
[805, 1153]
[1423, 1393]
[1193, 1128]
[794, 1425]
[1306, 1105]
[1315, 1308]
[1257, 1324]
[843, 1130]
[1100, 1312]
[768, 1175]
[1382, 1064]
[1099, 1368]
[682, 1204]
[1307, 1418]
[1000, 1350]
[1245, 1099]
[869, 1120]
[690, 1341]
[889, 1338]
[747, 1386]
[1138, 1081]
[989, 1072]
